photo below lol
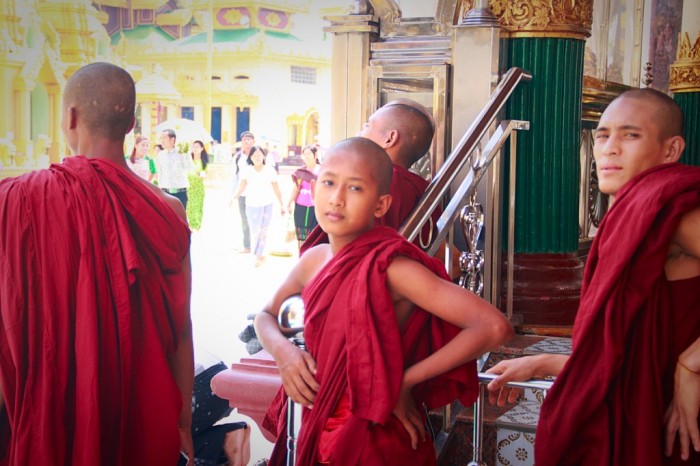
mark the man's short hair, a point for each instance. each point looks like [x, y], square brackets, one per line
[105, 97]
[170, 133]
[247, 134]
[669, 116]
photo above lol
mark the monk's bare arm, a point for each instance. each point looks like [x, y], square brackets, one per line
[483, 326]
[297, 368]
[483, 329]
[521, 369]
[684, 252]
[682, 414]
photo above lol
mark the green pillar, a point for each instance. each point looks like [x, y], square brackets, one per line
[548, 160]
[548, 40]
[690, 104]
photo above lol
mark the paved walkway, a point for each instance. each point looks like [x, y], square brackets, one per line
[226, 286]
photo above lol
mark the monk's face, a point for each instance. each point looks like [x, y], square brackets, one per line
[346, 196]
[628, 141]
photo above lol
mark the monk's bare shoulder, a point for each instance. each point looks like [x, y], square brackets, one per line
[312, 261]
[684, 252]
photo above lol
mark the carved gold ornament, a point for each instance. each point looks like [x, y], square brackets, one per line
[541, 18]
[685, 71]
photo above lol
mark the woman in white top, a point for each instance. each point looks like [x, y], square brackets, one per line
[259, 182]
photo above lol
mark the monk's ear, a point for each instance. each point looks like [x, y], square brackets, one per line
[673, 148]
[392, 138]
[382, 206]
[72, 116]
[131, 125]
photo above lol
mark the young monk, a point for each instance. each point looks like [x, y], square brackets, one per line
[387, 332]
[404, 129]
[636, 344]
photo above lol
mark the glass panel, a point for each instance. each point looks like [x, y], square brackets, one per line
[594, 63]
[417, 9]
[621, 38]
[613, 52]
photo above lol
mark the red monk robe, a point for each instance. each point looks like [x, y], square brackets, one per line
[352, 333]
[92, 304]
[406, 189]
[607, 405]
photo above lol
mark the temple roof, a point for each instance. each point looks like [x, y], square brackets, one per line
[145, 34]
[220, 37]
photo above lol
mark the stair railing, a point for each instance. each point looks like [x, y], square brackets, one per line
[484, 379]
[466, 152]
[462, 154]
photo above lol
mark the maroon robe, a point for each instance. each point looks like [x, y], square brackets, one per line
[92, 304]
[352, 332]
[406, 189]
[607, 405]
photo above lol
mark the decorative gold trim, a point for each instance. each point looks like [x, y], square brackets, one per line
[686, 51]
[570, 19]
[684, 77]
[685, 71]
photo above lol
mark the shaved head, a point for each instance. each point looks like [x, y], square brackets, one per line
[104, 97]
[668, 115]
[370, 155]
[415, 126]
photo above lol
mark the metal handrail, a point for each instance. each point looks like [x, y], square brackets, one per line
[477, 440]
[458, 158]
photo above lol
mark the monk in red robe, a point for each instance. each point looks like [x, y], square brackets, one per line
[95, 341]
[404, 129]
[388, 334]
[635, 361]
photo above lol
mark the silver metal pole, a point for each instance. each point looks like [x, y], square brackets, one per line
[477, 435]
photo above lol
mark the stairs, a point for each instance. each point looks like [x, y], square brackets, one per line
[508, 432]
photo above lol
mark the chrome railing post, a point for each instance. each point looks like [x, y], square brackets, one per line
[477, 436]
[484, 379]
[511, 225]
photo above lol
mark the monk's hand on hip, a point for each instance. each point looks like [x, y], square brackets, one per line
[298, 370]
[406, 412]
